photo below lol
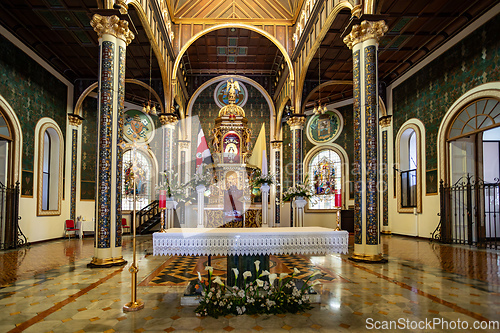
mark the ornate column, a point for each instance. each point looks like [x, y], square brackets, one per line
[114, 36]
[74, 121]
[168, 121]
[200, 189]
[385, 123]
[363, 40]
[183, 163]
[276, 194]
[296, 123]
[265, 199]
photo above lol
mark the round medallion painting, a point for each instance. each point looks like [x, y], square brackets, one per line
[137, 126]
[220, 94]
[325, 127]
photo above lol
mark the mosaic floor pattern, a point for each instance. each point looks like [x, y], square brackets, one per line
[181, 270]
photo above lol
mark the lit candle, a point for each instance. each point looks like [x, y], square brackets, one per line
[163, 199]
[338, 199]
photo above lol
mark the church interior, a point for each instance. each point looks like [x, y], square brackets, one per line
[124, 122]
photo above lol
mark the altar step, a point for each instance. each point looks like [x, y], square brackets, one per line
[149, 226]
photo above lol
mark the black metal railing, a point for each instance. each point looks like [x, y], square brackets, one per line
[470, 213]
[409, 188]
[147, 213]
[11, 236]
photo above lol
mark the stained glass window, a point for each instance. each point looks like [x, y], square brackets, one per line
[144, 192]
[325, 176]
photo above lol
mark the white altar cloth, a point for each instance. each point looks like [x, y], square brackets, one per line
[249, 241]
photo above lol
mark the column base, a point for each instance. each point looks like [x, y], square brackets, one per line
[374, 259]
[133, 306]
[385, 232]
[106, 263]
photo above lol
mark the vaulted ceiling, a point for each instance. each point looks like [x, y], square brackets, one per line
[280, 10]
[59, 31]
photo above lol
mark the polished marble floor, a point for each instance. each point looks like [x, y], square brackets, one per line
[48, 288]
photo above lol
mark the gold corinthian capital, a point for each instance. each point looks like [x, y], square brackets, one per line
[364, 31]
[112, 25]
[296, 121]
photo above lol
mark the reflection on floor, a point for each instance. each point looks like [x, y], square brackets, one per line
[48, 288]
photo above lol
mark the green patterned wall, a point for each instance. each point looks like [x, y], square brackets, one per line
[287, 171]
[89, 148]
[429, 93]
[256, 111]
[33, 93]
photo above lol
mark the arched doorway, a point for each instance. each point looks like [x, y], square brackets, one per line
[471, 213]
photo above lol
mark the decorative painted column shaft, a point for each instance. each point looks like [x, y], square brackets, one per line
[74, 121]
[385, 123]
[276, 146]
[363, 40]
[114, 36]
[168, 121]
[200, 189]
[265, 200]
[296, 123]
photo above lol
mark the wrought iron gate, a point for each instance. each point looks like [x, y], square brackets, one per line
[11, 236]
[470, 213]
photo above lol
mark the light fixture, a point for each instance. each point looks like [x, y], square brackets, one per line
[319, 109]
[150, 107]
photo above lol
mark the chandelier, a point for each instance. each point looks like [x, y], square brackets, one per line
[319, 109]
[150, 107]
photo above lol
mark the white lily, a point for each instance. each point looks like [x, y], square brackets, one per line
[272, 277]
[315, 283]
[260, 283]
[210, 269]
[247, 274]
[264, 273]
[257, 265]
[316, 272]
[199, 276]
[236, 273]
[218, 281]
[283, 275]
[295, 270]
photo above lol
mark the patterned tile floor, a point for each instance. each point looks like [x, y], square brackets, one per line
[48, 288]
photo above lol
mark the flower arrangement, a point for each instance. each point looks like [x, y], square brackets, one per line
[280, 294]
[258, 179]
[179, 192]
[299, 190]
[205, 178]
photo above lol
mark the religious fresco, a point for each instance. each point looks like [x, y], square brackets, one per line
[323, 128]
[221, 96]
[429, 93]
[33, 93]
[231, 148]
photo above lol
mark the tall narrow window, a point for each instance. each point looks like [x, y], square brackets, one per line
[143, 180]
[325, 176]
[46, 171]
[50, 167]
[408, 158]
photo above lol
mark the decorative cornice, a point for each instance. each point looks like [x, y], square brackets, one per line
[297, 120]
[366, 30]
[112, 25]
[74, 119]
[385, 121]
[168, 119]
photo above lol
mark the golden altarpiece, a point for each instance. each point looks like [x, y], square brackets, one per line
[229, 203]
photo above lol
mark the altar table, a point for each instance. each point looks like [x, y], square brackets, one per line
[251, 241]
